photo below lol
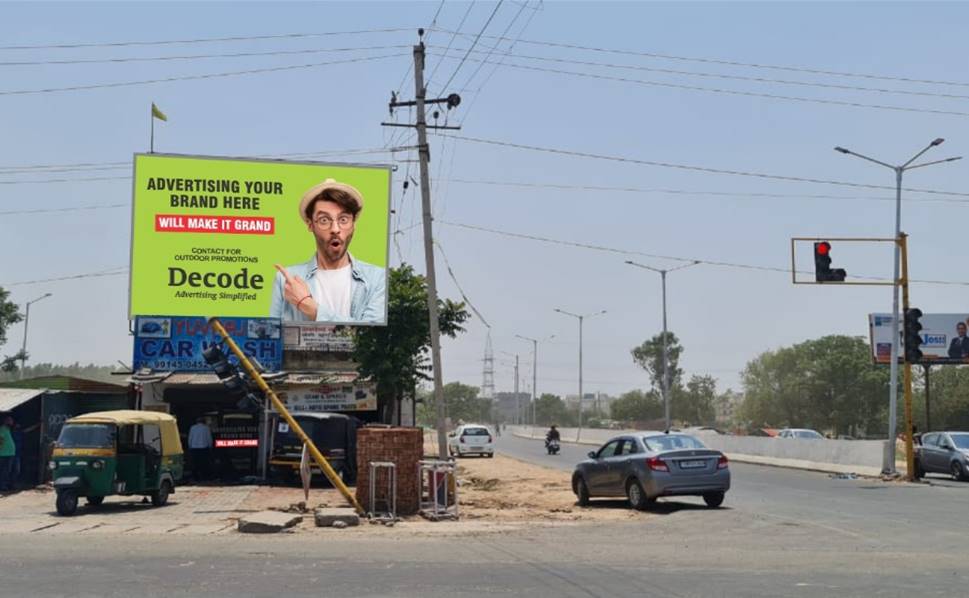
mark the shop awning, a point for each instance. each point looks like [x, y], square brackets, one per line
[11, 398]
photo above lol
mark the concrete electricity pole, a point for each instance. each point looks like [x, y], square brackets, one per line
[534, 369]
[888, 463]
[23, 348]
[420, 102]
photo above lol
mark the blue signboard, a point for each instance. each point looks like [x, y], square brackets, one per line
[175, 343]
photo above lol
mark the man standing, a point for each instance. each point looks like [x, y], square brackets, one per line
[7, 452]
[332, 286]
[200, 448]
[959, 347]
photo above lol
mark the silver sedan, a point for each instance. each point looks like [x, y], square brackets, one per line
[647, 465]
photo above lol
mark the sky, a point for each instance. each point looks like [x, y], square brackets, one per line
[881, 79]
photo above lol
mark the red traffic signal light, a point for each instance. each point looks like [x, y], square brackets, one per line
[822, 264]
[822, 248]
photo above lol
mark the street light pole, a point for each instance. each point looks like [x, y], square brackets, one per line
[888, 463]
[665, 387]
[534, 342]
[582, 317]
[23, 348]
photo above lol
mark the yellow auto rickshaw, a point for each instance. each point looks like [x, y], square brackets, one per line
[116, 452]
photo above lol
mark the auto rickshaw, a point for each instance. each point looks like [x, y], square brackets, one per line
[334, 434]
[116, 452]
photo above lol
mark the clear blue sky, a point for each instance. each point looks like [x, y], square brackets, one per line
[724, 316]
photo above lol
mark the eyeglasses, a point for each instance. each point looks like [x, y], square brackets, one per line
[343, 221]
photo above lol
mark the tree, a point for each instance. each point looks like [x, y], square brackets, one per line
[461, 403]
[396, 356]
[695, 403]
[649, 356]
[550, 409]
[8, 314]
[637, 406]
[828, 383]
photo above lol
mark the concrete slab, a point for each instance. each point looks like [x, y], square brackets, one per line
[328, 516]
[268, 522]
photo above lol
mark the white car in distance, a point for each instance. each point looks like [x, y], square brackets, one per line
[471, 439]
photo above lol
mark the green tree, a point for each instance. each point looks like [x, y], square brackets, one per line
[695, 403]
[637, 406]
[461, 403]
[397, 356]
[550, 409]
[829, 384]
[949, 399]
[8, 314]
[649, 356]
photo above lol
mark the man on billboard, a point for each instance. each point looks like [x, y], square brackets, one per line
[959, 348]
[332, 286]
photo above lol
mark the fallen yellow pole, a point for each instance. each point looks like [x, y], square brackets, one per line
[281, 409]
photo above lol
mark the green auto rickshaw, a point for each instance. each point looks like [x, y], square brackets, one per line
[116, 452]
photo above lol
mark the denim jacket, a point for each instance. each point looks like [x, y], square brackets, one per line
[368, 294]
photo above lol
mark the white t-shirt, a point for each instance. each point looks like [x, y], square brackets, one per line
[331, 289]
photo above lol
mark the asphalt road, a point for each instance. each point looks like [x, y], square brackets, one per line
[780, 533]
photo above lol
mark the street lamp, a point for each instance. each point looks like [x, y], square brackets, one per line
[666, 358]
[518, 401]
[534, 369]
[23, 348]
[578, 432]
[888, 464]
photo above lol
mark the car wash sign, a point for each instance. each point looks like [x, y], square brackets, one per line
[175, 344]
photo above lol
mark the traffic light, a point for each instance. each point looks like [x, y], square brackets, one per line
[822, 264]
[913, 340]
[228, 374]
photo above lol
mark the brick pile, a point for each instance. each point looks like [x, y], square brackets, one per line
[401, 446]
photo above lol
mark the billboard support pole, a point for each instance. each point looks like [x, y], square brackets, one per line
[909, 449]
[424, 153]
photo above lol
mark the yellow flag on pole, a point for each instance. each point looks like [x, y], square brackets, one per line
[155, 112]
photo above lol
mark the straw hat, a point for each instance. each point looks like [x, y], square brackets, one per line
[315, 191]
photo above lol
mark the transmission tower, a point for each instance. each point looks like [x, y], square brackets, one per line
[488, 382]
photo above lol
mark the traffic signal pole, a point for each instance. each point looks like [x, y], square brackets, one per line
[909, 448]
[293, 425]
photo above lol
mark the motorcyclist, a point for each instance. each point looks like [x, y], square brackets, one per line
[552, 434]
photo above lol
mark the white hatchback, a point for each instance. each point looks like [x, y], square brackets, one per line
[471, 439]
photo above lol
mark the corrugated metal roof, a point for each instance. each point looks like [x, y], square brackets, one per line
[11, 398]
[68, 383]
[192, 378]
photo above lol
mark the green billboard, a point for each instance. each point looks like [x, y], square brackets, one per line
[301, 241]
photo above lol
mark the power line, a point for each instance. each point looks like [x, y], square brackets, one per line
[739, 194]
[736, 92]
[454, 34]
[68, 209]
[454, 279]
[204, 40]
[810, 70]
[732, 77]
[200, 56]
[693, 168]
[194, 77]
[473, 44]
[109, 272]
[667, 257]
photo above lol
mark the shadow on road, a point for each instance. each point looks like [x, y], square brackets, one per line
[107, 508]
[660, 507]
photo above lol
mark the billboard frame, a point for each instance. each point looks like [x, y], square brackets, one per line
[391, 168]
[794, 279]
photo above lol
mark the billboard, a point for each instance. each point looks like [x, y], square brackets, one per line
[175, 344]
[302, 241]
[944, 338]
[357, 396]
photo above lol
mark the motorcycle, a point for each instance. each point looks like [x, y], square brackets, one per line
[552, 446]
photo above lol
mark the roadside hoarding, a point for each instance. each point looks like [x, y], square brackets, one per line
[358, 396]
[207, 233]
[944, 338]
[175, 343]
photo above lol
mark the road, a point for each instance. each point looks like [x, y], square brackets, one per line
[781, 533]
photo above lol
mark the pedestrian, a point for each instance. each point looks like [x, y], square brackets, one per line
[200, 449]
[7, 452]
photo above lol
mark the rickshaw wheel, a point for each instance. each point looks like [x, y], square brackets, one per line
[95, 501]
[160, 498]
[66, 502]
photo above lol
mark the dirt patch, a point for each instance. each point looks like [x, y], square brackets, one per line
[503, 489]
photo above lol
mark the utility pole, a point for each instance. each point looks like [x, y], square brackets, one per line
[518, 399]
[581, 318]
[424, 153]
[23, 348]
[534, 342]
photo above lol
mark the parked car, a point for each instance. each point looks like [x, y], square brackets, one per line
[943, 452]
[471, 439]
[647, 465]
[800, 434]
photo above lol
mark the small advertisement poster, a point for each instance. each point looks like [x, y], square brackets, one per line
[359, 396]
[944, 338]
[304, 242]
[175, 343]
